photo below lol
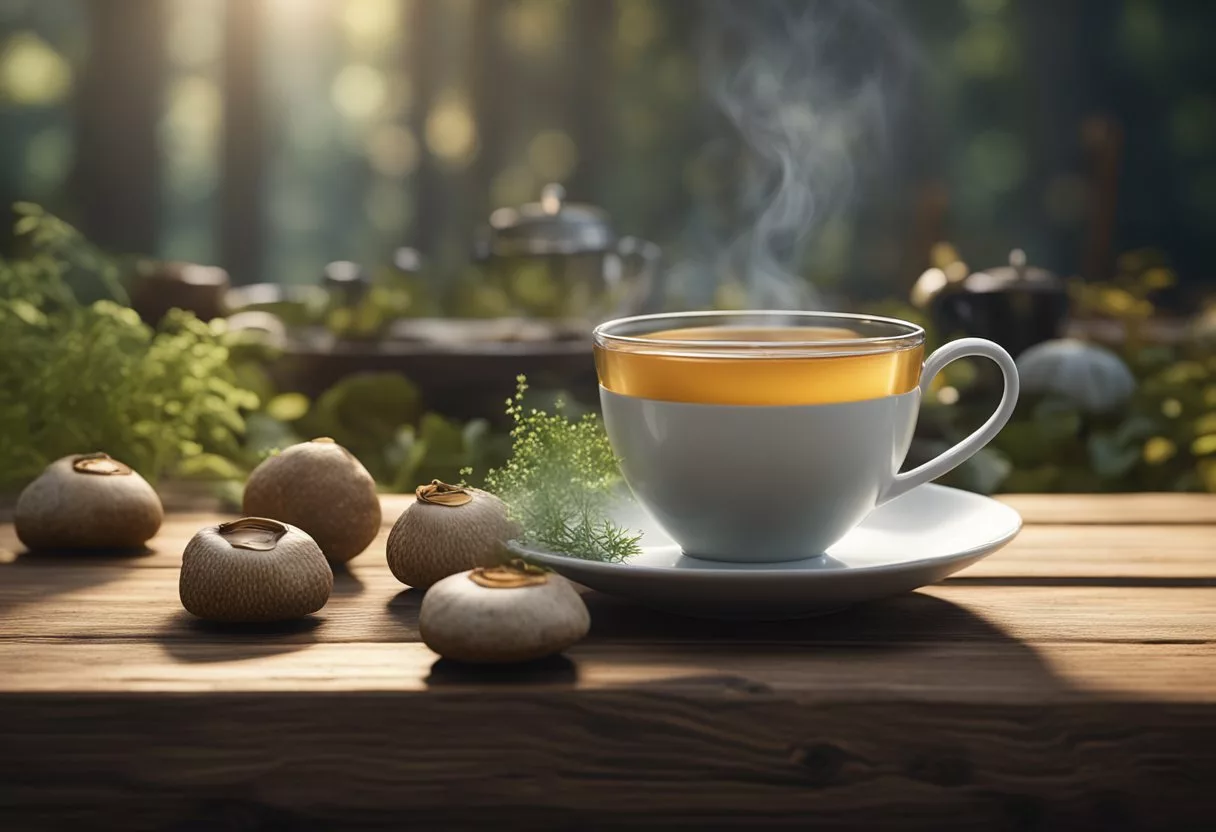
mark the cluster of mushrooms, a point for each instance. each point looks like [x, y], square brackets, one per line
[306, 509]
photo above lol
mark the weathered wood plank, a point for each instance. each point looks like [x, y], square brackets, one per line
[948, 672]
[1067, 682]
[740, 759]
[1159, 553]
[114, 602]
[1144, 554]
[1116, 509]
[1058, 509]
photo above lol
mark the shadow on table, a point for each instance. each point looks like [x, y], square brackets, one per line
[905, 641]
[546, 671]
[192, 640]
[79, 557]
[346, 582]
[403, 608]
[28, 576]
[908, 618]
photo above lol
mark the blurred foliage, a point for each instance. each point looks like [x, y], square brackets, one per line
[182, 399]
[79, 377]
[193, 399]
[1163, 438]
[379, 418]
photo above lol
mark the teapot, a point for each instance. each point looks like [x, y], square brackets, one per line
[1017, 305]
[562, 260]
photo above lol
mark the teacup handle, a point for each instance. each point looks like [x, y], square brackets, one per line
[960, 453]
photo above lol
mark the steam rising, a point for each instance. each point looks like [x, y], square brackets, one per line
[802, 86]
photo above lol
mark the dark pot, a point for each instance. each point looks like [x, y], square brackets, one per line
[1017, 306]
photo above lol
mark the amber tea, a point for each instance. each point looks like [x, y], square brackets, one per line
[816, 375]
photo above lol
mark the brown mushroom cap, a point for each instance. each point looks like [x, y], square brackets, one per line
[87, 501]
[253, 570]
[321, 488]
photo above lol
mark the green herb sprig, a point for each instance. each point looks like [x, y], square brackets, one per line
[560, 481]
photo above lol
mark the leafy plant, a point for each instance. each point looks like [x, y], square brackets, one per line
[560, 481]
[79, 377]
[380, 419]
[1161, 439]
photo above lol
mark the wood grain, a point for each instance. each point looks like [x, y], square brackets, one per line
[600, 759]
[1114, 509]
[946, 672]
[118, 603]
[1066, 682]
[1156, 553]
[1079, 509]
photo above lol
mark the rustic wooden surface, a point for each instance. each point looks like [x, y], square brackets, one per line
[1066, 682]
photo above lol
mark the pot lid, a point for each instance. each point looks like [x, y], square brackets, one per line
[549, 226]
[1017, 275]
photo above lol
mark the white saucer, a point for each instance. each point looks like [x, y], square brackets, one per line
[917, 539]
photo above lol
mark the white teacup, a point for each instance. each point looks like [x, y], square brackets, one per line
[767, 436]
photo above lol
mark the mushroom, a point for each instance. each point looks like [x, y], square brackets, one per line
[253, 570]
[87, 501]
[513, 612]
[320, 487]
[448, 529]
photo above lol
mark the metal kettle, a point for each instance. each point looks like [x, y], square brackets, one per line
[563, 260]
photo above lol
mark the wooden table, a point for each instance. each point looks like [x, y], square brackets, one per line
[1067, 682]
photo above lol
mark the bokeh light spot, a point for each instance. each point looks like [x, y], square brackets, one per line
[359, 91]
[393, 151]
[1159, 449]
[534, 27]
[195, 36]
[189, 131]
[552, 155]
[451, 132]
[371, 25]
[32, 73]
